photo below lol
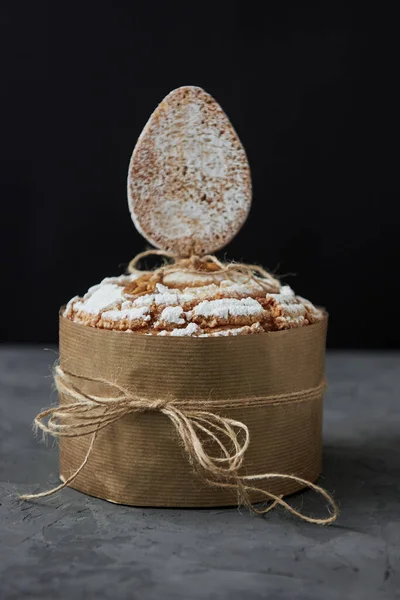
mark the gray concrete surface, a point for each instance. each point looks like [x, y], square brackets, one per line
[73, 546]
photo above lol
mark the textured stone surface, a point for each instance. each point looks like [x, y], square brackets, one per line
[72, 546]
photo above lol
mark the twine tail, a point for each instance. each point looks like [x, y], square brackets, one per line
[243, 491]
[223, 471]
[333, 508]
[67, 481]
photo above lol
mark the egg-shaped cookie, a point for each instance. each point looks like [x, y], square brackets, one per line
[189, 182]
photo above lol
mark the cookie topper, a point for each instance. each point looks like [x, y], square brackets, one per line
[189, 181]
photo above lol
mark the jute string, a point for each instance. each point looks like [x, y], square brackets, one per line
[195, 425]
[195, 421]
[200, 264]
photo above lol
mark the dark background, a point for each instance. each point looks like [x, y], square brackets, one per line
[310, 89]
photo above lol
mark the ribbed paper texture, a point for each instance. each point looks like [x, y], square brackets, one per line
[139, 460]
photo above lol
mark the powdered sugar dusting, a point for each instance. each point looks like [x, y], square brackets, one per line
[132, 314]
[286, 294]
[190, 329]
[70, 305]
[217, 309]
[105, 296]
[121, 280]
[146, 300]
[228, 307]
[255, 328]
[172, 314]
[181, 278]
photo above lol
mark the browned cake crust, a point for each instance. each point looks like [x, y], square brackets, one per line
[198, 305]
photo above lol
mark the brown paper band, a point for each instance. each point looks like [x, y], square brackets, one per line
[256, 381]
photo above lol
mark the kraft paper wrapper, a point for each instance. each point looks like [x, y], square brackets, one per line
[139, 460]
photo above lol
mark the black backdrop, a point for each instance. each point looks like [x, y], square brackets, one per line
[310, 90]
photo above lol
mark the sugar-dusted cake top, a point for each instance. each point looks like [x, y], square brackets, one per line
[184, 304]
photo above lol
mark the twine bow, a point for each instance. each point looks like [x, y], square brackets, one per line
[87, 414]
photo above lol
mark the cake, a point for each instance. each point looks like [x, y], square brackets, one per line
[234, 419]
[203, 304]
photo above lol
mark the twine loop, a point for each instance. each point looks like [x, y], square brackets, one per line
[196, 265]
[196, 424]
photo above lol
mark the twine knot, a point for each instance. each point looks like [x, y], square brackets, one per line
[158, 405]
